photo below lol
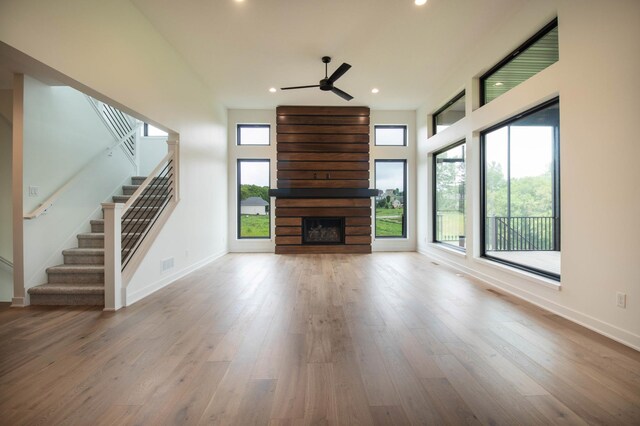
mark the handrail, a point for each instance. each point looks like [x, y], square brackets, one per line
[150, 200]
[145, 183]
[48, 203]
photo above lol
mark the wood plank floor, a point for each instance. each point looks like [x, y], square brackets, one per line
[381, 339]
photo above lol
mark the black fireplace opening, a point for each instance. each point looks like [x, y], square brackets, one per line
[323, 230]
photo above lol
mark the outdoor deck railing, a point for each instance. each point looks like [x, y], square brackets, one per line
[522, 233]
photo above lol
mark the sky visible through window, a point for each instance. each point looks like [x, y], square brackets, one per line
[389, 175]
[393, 136]
[531, 150]
[254, 173]
[254, 135]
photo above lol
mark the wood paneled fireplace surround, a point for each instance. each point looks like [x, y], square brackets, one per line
[323, 200]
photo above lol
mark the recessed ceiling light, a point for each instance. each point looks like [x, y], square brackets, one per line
[374, 90]
[499, 83]
[272, 90]
[420, 2]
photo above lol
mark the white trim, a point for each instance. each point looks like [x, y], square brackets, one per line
[18, 302]
[445, 248]
[133, 297]
[601, 327]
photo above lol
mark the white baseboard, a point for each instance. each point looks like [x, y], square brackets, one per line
[135, 296]
[601, 327]
[18, 302]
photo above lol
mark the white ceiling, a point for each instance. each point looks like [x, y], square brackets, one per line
[241, 49]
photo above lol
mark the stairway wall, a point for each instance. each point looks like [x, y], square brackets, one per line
[6, 227]
[62, 133]
[111, 49]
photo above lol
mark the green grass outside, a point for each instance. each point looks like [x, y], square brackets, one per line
[254, 226]
[389, 222]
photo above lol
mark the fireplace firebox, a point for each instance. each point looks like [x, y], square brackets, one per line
[323, 230]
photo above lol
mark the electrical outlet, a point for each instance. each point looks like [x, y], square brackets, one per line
[621, 300]
[33, 191]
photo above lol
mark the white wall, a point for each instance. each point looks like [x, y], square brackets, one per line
[62, 135]
[6, 247]
[597, 81]
[249, 116]
[6, 224]
[151, 149]
[112, 50]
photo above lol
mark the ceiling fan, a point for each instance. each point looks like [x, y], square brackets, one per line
[326, 83]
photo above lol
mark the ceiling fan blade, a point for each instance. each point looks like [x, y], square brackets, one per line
[339, 72]
[343, 95]
[299, 87]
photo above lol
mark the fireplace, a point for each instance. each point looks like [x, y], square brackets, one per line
[323, 230]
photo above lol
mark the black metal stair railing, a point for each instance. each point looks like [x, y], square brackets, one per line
[139, 218]
[522, 233]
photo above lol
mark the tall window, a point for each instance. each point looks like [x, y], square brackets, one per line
[449, 179]
[521, 191]
[391, 178]
[451, 112]
[533, 56]
[254, 213]
[253, 134]
[390, 135]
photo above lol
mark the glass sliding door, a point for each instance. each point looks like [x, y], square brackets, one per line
[449, 180]
[391, 178]
[254, 212]
[521, 191]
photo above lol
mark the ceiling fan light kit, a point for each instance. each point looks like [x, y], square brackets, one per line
[326, 84]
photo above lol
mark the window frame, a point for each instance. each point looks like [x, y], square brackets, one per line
[556, 189]
[452, 101]
[240, 126]
[145, 132]
[514, 54]
[404, 127]
[238, 207]
[434, 194]
[406, 193]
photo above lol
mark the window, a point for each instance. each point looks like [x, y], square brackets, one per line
[253, 134]
[533, 56]
[391, 178]
[254, 213]
[390, 135]
[449, 180]
[449, 114]
[151, 131]
[521, 191]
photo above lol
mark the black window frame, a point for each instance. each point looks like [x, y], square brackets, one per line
[514, 54]
[434, 195]
[453, 100]
[238, 182]
[556, 189]
[406, 197]
[390, 126]
[239, 126]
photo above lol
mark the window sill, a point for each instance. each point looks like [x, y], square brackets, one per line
[447, 249]
[528, 276]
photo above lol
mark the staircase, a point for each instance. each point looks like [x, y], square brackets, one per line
[80, 280]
